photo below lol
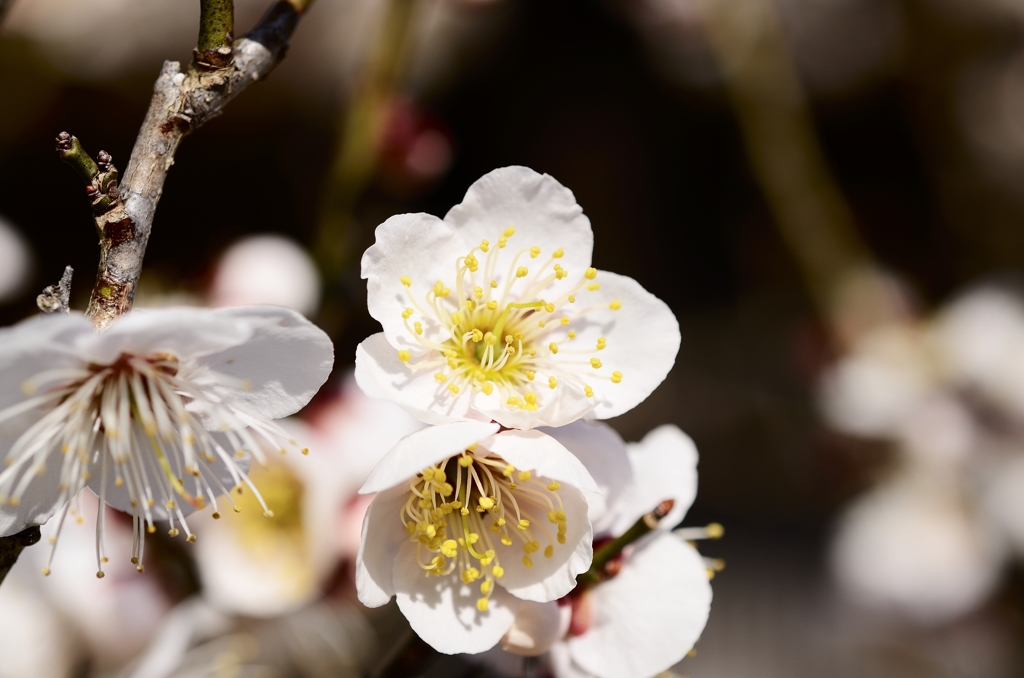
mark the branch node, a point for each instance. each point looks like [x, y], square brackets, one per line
[100, 175]
[56, 298]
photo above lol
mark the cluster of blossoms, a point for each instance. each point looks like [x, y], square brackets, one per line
[499, 333]
[499, 517]
[933, 537]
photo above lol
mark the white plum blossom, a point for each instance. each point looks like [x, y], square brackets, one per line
[158, 415]
[266, 269]
[263, 567]
[645, 618]
[467, 524]
[494, 313]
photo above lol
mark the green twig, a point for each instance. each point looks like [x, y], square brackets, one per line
[100, 175]
[604, 561]
[216, 33]
[11, 547]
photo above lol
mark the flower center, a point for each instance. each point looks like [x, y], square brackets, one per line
[135, 422]
[506, 337]
[471, 525]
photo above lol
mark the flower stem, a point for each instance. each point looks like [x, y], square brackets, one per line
[11, 547]
[216, 33]
[602, 566]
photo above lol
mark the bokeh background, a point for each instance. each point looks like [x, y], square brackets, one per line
[698, 135]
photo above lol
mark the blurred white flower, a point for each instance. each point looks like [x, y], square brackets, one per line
[263, 567]
[463, 529]
[16, 262]
[34, 639]
[157, 415]
[915, 545]
[266, 269]
[507, 339]
[645, 618]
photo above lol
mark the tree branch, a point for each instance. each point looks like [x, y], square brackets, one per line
[11, 547]
[100, 176]
[606, 554]
[182, 101]
[216, 33]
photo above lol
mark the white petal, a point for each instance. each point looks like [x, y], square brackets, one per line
[266, 269]
[643, 339]
[536, 451]
[381, 374]
[562, 664]
[537, 627]
[664, 467]
[185, 332]
[419, 450]
[551, 578]
[35, 345]
[649, 616]
[39, 502]
[559, 407]
[606, 457]
[544, 213]
[420, 247]
[284, 360]
[443, 612]
[383, 535]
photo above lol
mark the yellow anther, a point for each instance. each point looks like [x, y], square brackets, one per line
[561, 537]
[173, 532]
[486, 587]
[454, 389]
[615, 305]
[590, 273]
[465, 461]
[523, 477]
[215, 515]
[478, 336]
[524, 524]
[487, 388]
[490, 339]
[507, 541]
[500, 521]
[481, 604]
[564, 321]
[541, 323]
[418, 326]
[492, 305]
[190, 538]
[553, 347]
[527, 561]
[508, 338]
[571, 298]
[485, 245]
[502, 241]
[531, 546]
[554, 486]
[453, 363]
[714, 531]
[406, 280]
[494, 284]
[534, 252]
[407, 313]
[509, 470]
[572, 334]
[558, 254]
[552, 382]
[456, 318]
[470, 575]
[509, 232]
[471, 263]
[616, 377]
[530, 374]
[46, 572]
[268, 514]
[593, 287]
[498, 571]
[530, 398]
[549, 307]
[428, 473]
[588, 391]
[549, 551]
[404, 356]
[595, 363]
[522, 271]
[478, 292]
[440, 376]
[150, 529]
[170, 504]
[450, 548]
[438, 288]
[602, 343]
[486, 503]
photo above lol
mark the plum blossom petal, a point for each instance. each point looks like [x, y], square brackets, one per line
[604, 454]
[649, 616]
[446, 616]
[266, 269]
[424, 448]
[537, 627]
[380, 542]
[541, 453]
[495, 314]
[664, 467]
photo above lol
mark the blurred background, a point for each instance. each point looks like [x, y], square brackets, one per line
[828, 193]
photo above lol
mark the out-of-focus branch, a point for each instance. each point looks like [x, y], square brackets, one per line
[57, 298]
[11, 547]
[216, 33]
[182, 101]
[787, 161]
